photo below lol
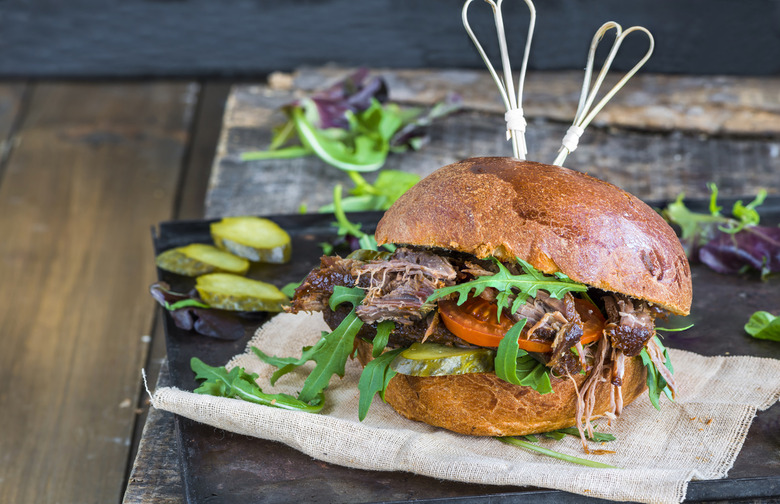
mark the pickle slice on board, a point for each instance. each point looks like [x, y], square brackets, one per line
[432, 359]
[198, 259]
[255, 238]
[237, 293]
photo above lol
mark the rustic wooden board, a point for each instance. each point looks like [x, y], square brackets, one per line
[94, 167]
[642, 143]
[635, 149]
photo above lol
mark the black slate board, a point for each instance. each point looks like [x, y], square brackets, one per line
[223, 467]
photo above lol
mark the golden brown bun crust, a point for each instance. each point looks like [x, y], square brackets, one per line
[482, 404]
[554, 218]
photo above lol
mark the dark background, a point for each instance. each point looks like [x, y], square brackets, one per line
[248, 38]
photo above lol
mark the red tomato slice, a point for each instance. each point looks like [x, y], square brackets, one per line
[475, 321]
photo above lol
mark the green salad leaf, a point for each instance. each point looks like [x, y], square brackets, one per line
[698, 228]
[551, 453]
[764, 325]
[518, 367]
[383, 330]
[374, 379]
[521, 286]
[656, 384]
[330, 353]
[239, 384]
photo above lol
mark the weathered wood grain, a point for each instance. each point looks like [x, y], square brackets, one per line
[629, 146]
[11, 105]
[94, 167]
[156, 473]
[702, 105]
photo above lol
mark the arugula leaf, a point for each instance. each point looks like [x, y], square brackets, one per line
[332, 357]
[341, 294]
[655, 381]
[330, 353]
[347, 228]
[522, 286]
[600, 437]
[516, 366]
[374, 379]
[289, 289]
[383, 330]
[239, 384]
[764, 325]
[551, 453]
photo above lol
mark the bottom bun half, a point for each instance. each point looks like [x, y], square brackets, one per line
[482, 404]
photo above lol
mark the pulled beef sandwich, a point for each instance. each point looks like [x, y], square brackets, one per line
[520, 298]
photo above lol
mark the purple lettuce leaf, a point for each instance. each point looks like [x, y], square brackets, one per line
[188, 313]
[756, 247]
[328, 108]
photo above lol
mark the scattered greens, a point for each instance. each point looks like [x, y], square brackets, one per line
[727, 244]
[239, 384]
[522, 286]
[550, 453]
[330, 353]
[374, 379]
[655, 381]
[352, 126]
[189, 312]
[349, 231]
[764, 325]
[516, 366]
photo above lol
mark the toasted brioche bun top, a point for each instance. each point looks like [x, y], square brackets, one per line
[554, 218]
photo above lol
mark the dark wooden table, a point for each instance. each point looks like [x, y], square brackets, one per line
[661, 136]
[86, 169]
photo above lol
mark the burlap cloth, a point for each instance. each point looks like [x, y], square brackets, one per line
[699, 436]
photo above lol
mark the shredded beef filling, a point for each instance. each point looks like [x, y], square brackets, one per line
[630, 323]
[397, 289]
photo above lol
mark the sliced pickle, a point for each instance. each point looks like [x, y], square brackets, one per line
[368, 255]
[198, 259]
[432, 359]
[237, 293]
[257, 239]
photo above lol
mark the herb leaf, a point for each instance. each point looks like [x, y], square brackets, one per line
[522, 286]
[655, 381]
[516, 366]
[189, 313]
[764, 325]
[383, 330]
[239, 384]
[330, 353]
[374, 379]
[551, 453]
[727, 244]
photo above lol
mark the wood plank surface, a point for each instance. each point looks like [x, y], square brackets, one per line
[683, 131]
[94, 167]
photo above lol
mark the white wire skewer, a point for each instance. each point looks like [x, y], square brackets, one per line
[516, 123]
[585, 114]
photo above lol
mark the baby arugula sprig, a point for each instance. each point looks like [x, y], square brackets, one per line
[521, 286]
